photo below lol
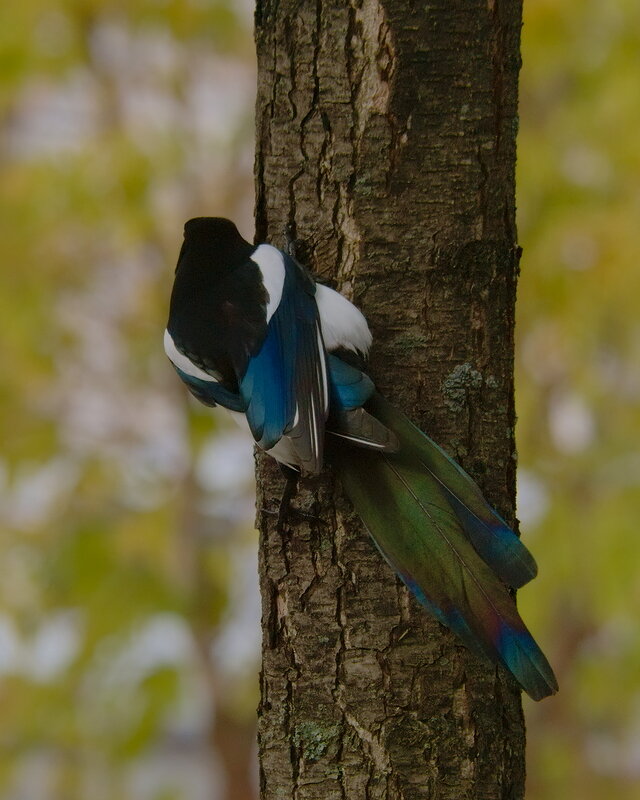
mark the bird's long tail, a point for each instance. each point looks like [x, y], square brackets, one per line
[432, 524]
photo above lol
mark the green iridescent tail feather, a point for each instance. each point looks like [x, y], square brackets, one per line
[490, 535]
[432, 524]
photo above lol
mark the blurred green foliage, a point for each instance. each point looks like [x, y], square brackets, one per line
[121, 556]
[118, 561]
[578, 388]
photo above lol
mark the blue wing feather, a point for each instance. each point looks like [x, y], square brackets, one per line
[350, 388]
[283, 386]
[212, 393]
[268, 385]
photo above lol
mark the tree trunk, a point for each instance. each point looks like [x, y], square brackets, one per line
[386, 140]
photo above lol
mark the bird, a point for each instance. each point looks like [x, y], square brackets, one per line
[250, 330]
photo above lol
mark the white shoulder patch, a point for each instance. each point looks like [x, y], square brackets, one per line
[183, 363]
[343, 325]
[271, 264]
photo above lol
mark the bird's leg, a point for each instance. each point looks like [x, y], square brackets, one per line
[290, 242]
[297, 249]
[285, 512]
[289, 492]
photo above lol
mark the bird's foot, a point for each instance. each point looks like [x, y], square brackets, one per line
[291, 515]
[297, 249]
[286, 514]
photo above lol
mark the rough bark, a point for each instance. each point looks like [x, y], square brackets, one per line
[386, 139]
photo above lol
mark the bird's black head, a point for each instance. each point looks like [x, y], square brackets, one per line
[218, 229]
[212, 244]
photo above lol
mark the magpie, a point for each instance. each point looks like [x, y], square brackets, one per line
[251, 331]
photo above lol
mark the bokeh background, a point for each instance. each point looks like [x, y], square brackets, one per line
[129, 630]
